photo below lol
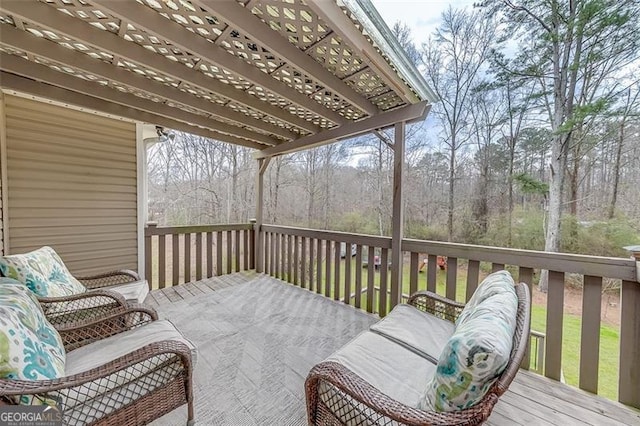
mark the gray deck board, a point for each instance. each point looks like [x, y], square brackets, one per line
[258, 337]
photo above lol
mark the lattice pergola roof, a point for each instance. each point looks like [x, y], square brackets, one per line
[275, 75]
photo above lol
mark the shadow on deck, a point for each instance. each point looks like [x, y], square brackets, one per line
[258, 337]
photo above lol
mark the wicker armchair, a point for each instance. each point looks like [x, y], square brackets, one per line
[140, 385]
[354, 401]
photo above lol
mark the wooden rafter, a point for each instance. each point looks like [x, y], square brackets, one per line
[156, 24]
[37, 72]
[240, 17]
[42, 15]
[54, 52]
[26, 85]
[407, 114]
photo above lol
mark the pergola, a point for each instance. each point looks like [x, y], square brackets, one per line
[274, 75]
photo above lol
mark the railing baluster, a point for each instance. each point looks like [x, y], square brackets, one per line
[590, 333]
[473, 274]
[237, 249]
[432, 273]
[555, 308]
[187, 257]
[336, 270]
[199, 256]
[219, 253]
[347, 274]
[277, 249]
[384, 268]
[209, 251]
[148, 261]
[629, 381]
[358, 300]
[175, 254]
[248, 250]
[495, 267]
[311, 263]
[229, 239]
[162, 259]
[452, 278]
[289, 259]
[283, 256]
[327, 264]
[319, 266]
[296, 260]
[303, 262]
[371, 274]
[525, 275]
[413, 273]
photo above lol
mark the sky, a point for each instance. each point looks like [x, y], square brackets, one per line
[422, 16]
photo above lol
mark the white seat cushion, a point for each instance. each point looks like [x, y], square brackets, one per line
[94, 399]
[136, 291]
[396, 371]
[418, 331]
[102, 351]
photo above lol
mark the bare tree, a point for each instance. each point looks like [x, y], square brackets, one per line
[454, 59]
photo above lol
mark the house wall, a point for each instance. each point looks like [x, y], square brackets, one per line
[71, 182]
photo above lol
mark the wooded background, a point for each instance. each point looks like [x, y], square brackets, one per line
[536, 139]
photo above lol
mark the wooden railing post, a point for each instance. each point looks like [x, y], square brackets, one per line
[148, 252]
[257, 227]
[629, 384]
[398, 215]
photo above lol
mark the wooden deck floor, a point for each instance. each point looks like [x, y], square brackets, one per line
[258, 337]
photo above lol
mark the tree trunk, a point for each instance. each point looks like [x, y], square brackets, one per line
[452, 163]
[616, 172]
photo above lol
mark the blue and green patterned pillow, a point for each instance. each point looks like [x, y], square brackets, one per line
[477, 352]
[496, 283]
[30, 347]
[42, 271]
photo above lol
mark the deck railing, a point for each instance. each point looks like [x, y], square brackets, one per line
[180, 254]
[312, 259]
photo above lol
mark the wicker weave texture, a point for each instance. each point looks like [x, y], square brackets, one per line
[131, 390]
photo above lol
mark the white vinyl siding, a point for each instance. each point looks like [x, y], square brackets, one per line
[72, 185]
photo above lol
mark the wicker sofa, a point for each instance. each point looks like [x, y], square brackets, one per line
[378, 377]
[124, 368]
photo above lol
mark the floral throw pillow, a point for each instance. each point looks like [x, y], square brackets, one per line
[42, 271]
[475, 356]
[30, 347]
[495, 283]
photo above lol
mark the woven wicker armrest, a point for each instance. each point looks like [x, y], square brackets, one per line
[80, 333]
[109, 279]
[170, 356]
[436, 305]
[357, 397]
[66, 309]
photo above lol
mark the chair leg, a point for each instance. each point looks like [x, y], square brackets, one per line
[190, 420]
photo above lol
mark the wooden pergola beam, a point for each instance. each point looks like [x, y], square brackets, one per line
[407, 114]
[60, 23]
[26, 42]
[26, 85]
[239, 16]
[43, 73]
[152, 22]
